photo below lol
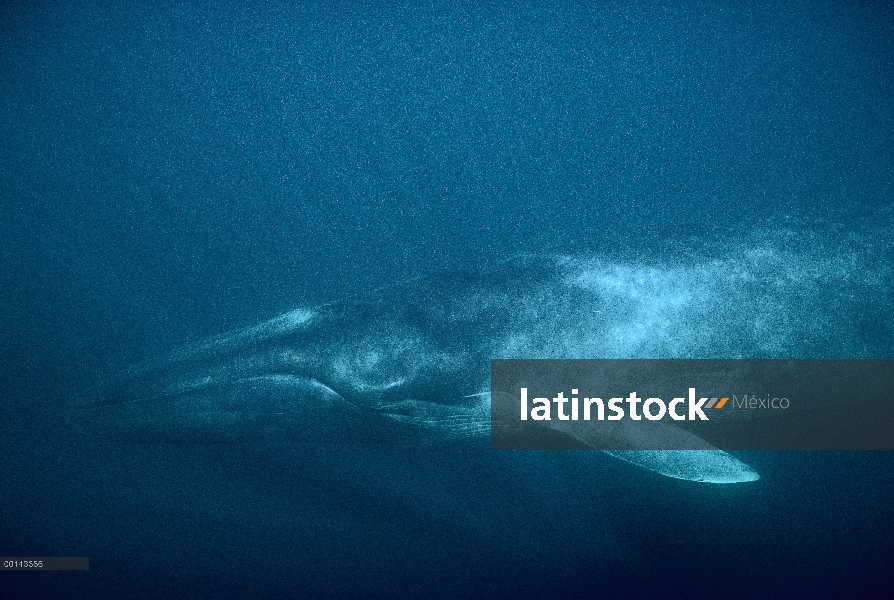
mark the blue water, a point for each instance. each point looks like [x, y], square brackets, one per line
[172, 171]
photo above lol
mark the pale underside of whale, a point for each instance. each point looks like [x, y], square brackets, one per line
[281, 406]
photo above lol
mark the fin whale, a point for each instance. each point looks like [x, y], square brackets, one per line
[410, 362]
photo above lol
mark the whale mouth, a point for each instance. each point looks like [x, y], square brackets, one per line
[206, 408]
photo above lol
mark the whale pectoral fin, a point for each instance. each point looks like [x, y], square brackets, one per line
[706, 466]
[699, 462]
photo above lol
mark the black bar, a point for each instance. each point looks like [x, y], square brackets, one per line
[45, 563]
[770, 404]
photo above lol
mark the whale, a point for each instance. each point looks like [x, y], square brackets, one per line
[409, 362]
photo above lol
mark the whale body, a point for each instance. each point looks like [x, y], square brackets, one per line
[409, 363]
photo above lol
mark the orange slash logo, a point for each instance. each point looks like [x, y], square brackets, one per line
[720, 404]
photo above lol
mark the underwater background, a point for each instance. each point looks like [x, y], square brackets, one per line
[173, 170]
